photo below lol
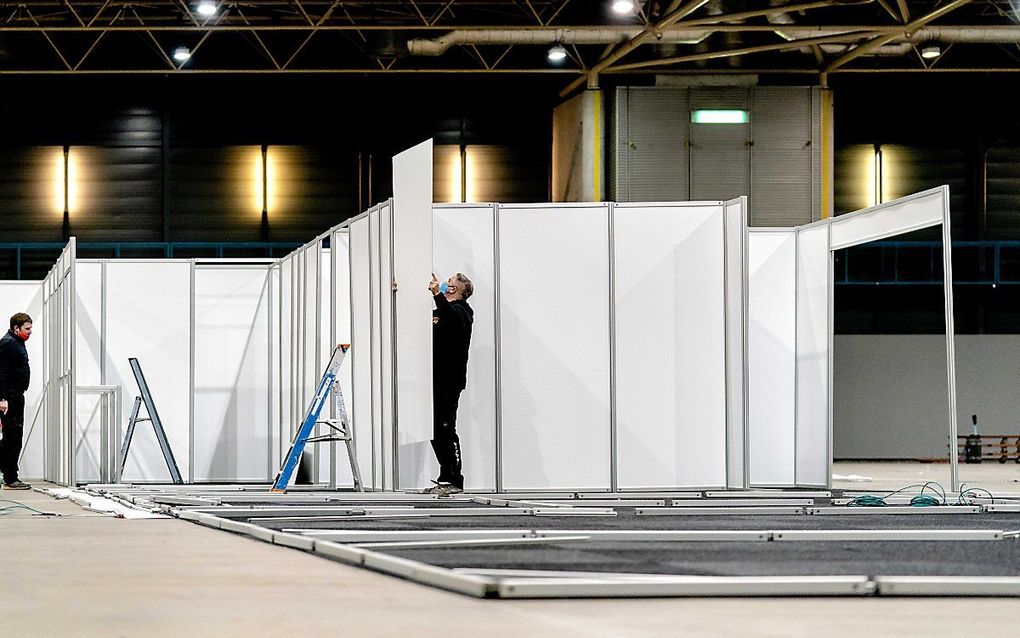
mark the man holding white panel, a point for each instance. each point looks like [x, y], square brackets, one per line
[451, 339]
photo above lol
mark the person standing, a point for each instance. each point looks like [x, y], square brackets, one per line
[451, 340]
[14, 379]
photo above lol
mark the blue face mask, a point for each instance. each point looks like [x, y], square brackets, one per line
[443, 287]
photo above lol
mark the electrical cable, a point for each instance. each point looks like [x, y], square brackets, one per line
[921, 500]
[14, 505]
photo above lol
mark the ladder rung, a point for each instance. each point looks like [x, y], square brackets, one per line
[324, 439]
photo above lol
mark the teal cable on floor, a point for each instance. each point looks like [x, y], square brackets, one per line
[867, 501]
[921, 500]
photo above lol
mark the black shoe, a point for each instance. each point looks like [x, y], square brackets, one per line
[17, 485]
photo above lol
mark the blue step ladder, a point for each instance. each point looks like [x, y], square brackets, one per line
[340, 426]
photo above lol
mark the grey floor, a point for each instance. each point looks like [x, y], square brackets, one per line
[88, 575]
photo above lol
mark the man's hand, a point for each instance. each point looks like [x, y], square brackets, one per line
[3, 406]
[434, 285]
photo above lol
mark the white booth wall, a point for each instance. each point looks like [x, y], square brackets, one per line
[200, 331]
[27, 296]
[463, 239]
[791, 335]
[570, 385]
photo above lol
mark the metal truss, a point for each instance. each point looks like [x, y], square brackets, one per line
[813, 37]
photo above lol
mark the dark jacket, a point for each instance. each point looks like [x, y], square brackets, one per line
[451, 338]
[14, 373]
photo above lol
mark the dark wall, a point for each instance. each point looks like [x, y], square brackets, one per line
[964, 132]
[176, 159]
[934, 130]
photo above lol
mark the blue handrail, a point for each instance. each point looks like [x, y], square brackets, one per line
[162, 249]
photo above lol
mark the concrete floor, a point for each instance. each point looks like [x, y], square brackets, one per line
[888, 476]
[89, 575]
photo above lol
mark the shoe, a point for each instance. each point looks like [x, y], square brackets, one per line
[448, 490]
[17, 485]
[435, 489]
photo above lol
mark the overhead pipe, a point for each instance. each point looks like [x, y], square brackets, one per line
[1005, 34]
[568, 35]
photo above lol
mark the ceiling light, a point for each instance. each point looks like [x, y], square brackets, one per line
[623, 6]
[181, 54]
[207, 7]
[931, 51]
[557, 53]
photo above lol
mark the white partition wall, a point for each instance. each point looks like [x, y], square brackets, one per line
[735, 294]
[463, 239]
[148, 316]
[58, 335]
[814, 330]
[772, 350]
[791, 327]
[27, 296]
[88, 365]
[670, 340]
[412, 313]
[554, 346]
[361, 351]
[232, 406]
[341, 291]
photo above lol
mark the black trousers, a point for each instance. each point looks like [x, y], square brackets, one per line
[445, 441]
[13, 429]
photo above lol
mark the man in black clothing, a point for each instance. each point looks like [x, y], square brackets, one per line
[451, 338]
[14, 377]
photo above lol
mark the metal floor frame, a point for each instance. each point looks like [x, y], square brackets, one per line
[244, 509]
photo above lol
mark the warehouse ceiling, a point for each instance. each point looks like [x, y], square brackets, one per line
[821, 37]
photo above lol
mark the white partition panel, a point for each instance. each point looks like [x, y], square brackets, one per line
[287, 337]
[735, 216]
[311, 302]
[814, 286]
[463, 241]
[886, 220]
[384, 303]
[361, 350]
[231, 435]
[273, 461]
[379, 438]
[341, 291]
[27, 296]
[670, 338]
[58, 334]
[412, 264]
[554, 345]
[772, 337]
[326, 342]
[148, 316]
[89, 369]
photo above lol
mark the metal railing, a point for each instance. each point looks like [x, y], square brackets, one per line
[18, 252]
[918, 263]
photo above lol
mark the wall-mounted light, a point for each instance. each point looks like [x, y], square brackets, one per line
[623, 7]
[876, 195]
[720, 116]
[557, 53]
[65, 186]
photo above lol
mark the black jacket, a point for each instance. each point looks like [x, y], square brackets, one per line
[451, 337]
[14, 373]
